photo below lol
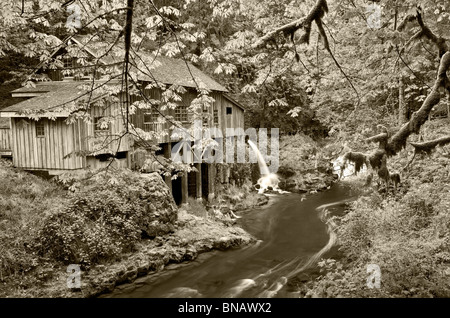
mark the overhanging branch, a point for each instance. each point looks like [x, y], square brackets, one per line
[429, 146]
[398, 140]
[317, 11]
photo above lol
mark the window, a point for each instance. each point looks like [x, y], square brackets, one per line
[216, 117]
[150, 120]
[121, 155]
[68, 62]
[100, 126]
[205, 116]
[181, 114]
[150, 117]
[229, 110]
[40, 130]
[68, 66]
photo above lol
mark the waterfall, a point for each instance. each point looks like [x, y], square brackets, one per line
[267, 179]
[262, 163]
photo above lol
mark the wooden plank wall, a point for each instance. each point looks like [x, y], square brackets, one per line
[50, 151]
[110, 138]
[235, 120]
[137, 119]
[5, 139]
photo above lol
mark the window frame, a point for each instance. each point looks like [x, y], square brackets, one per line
[68, 68]
[150, 125]
[98, 131]
[216, 117]
[206, 116]
[181, 114]
[153, 115]
[39, 128]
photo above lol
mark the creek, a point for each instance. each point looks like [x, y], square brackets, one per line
[292, 237]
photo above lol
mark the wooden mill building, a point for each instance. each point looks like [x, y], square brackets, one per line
[52, 143]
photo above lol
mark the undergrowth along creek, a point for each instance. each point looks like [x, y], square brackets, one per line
[404, 231]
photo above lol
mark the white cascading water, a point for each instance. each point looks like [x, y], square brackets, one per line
[267, 179]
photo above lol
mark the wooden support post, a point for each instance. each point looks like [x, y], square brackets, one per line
[129, 159]
[211, 183]
[184, 188]
[168, 179]
[199, 180]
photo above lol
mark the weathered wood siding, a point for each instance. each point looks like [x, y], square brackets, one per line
[137, 119]
[53, 151]
[109, 140]
[235, 120]
[164, 123]
[5, 139]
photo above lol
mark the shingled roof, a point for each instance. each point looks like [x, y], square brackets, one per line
[58, 93]
[177, 72]
[163, 70]
[40, 87]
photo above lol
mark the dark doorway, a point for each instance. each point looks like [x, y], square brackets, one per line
[205, 181]
[176, 190]
[192, 184]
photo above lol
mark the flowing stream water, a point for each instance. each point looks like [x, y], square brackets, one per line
[292, 235]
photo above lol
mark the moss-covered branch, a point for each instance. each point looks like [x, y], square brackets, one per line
[358, 158]
[391, 146]
[381, 138]
[317, 12]
[429, 146]
[398, 140]
[425, 32]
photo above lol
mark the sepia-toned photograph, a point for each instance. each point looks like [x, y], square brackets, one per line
[216, 151]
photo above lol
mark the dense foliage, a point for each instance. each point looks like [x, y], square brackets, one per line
[98, 220]
[24, 199]
[107, 215]
[405, 232]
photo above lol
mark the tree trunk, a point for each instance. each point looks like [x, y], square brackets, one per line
[402, 111]
[448, 105]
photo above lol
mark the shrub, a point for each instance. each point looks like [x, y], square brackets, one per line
[107, 215]
[407, 237]
[24, 199]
